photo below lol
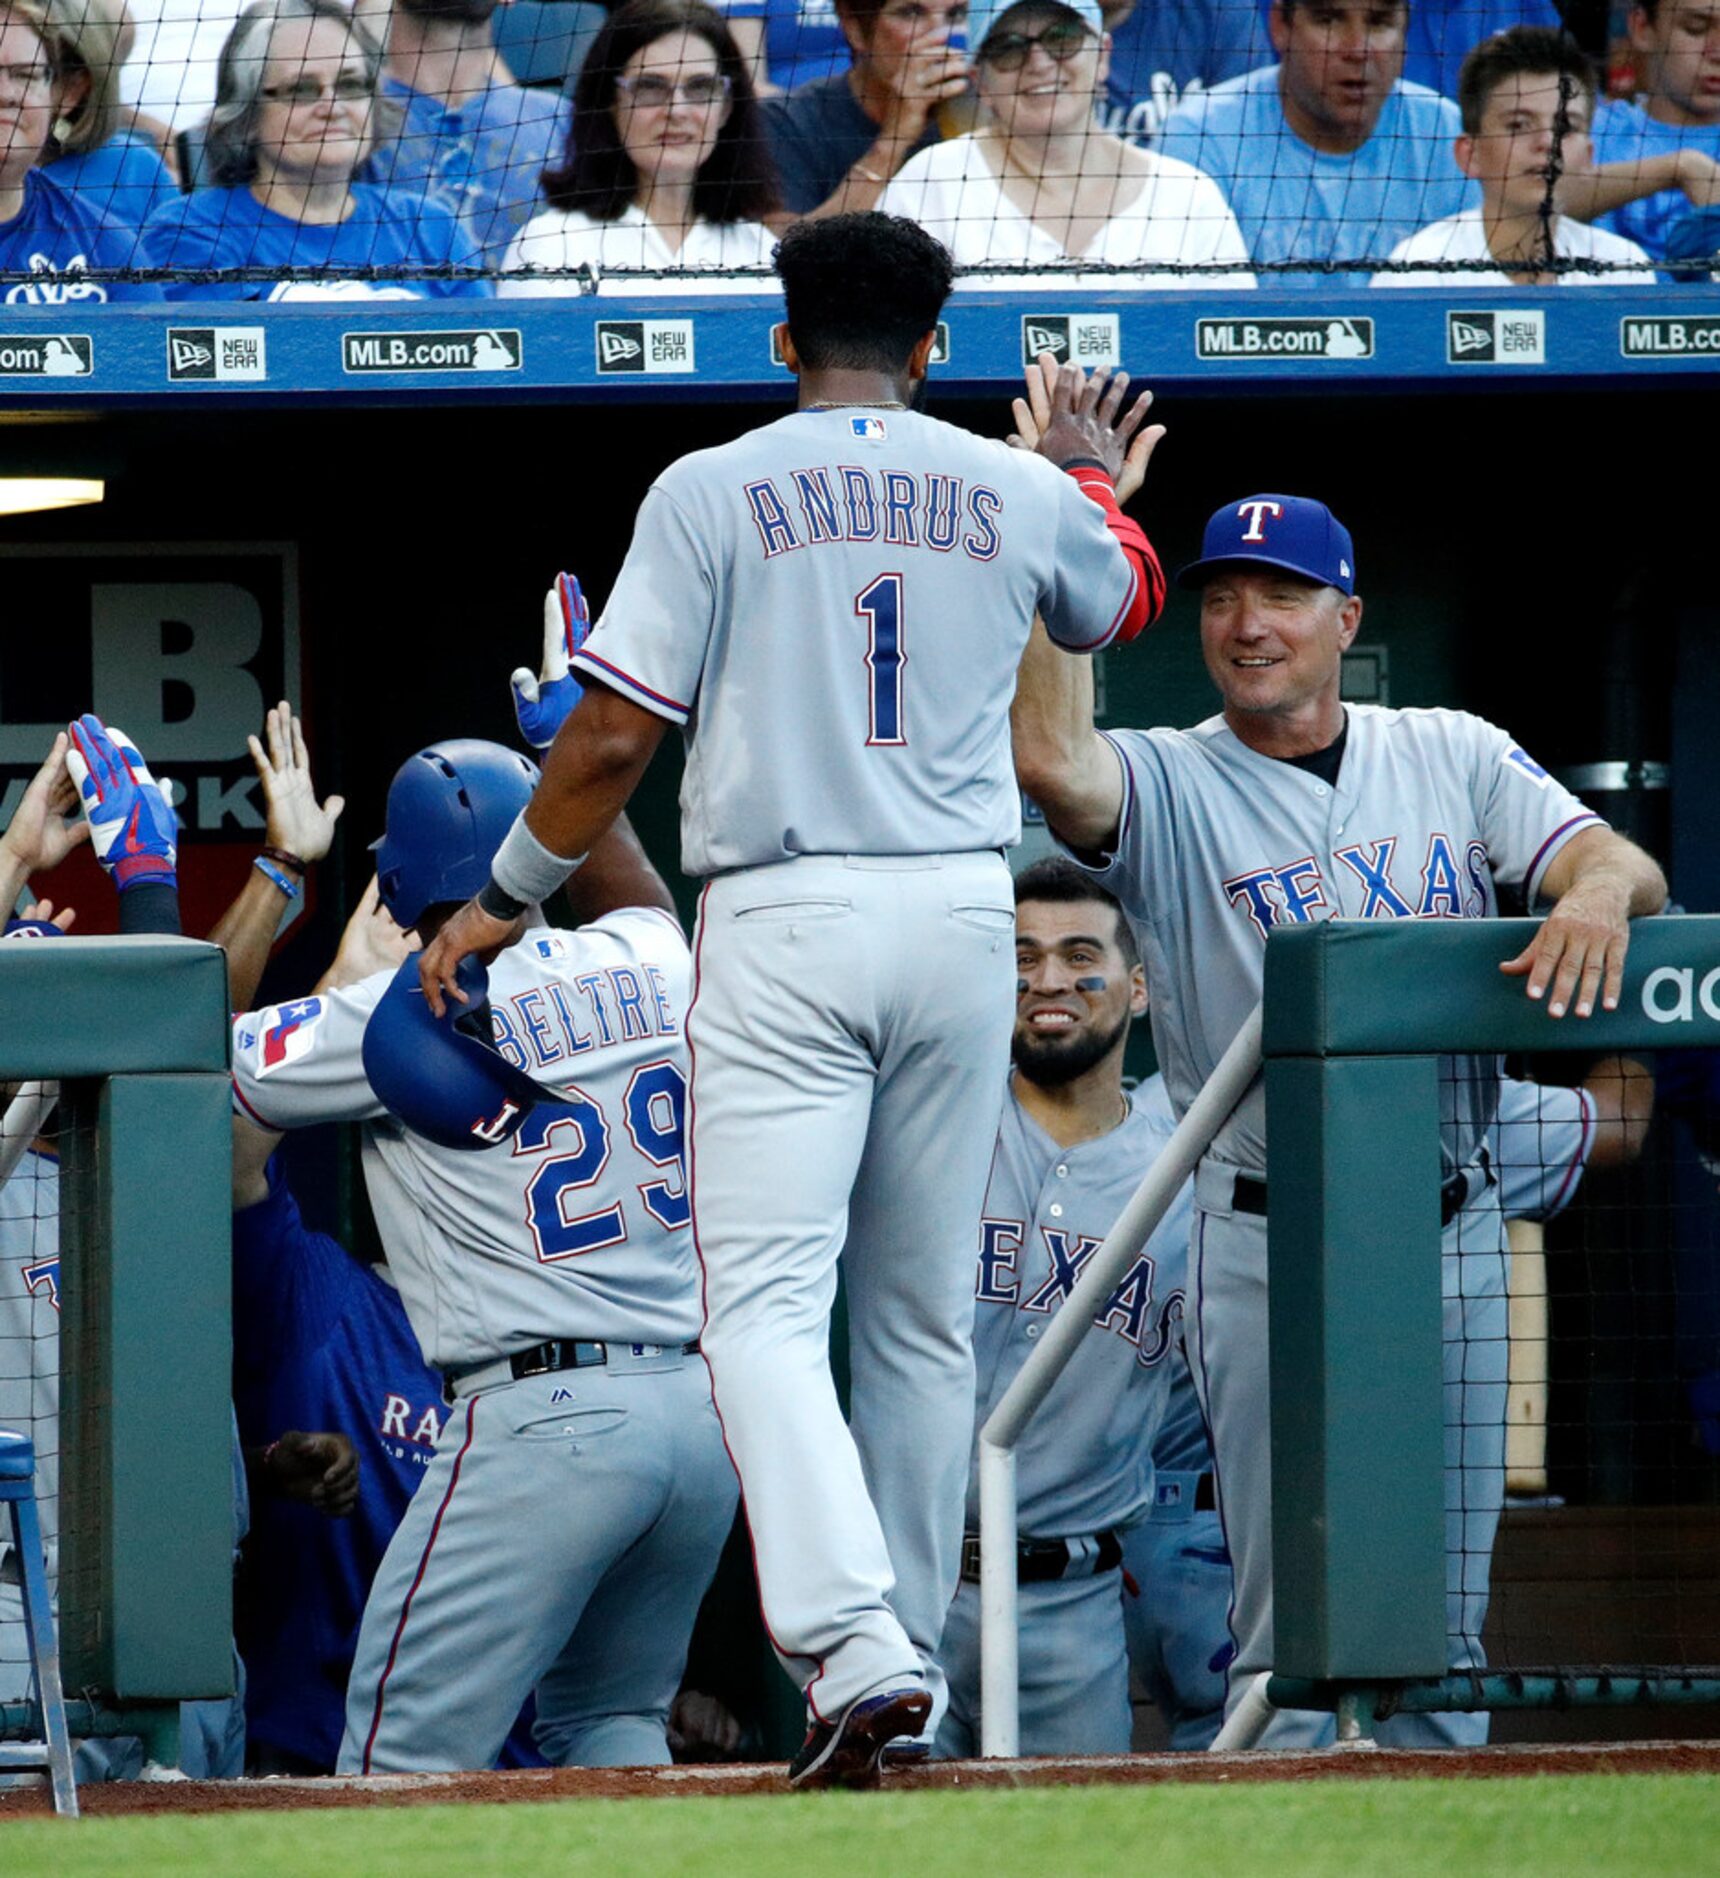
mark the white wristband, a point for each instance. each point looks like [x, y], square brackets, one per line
[525, 869]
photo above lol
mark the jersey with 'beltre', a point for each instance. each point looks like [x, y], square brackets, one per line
[577, 1227]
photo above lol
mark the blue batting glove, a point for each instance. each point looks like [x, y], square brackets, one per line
[543, 703]
[132, 825]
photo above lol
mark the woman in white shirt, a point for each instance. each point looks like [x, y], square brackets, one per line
[1040, 185]
[666, 168]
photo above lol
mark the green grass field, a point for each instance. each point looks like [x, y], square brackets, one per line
[1569, 1825]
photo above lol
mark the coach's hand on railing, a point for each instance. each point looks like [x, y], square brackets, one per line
[1131, 445]
[38, 836]
[130, 814]
[542, 703]
[1578, 947]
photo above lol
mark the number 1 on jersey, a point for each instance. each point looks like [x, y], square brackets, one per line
[881, 606]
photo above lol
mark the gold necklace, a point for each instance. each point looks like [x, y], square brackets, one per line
[859, 404]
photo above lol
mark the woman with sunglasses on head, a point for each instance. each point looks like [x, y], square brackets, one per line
[296, 114]
[1041, 185]
[666, 168]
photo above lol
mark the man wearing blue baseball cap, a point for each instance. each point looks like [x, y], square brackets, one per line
[1291, 806]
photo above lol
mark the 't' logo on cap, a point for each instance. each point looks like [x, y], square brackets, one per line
[1256, 513]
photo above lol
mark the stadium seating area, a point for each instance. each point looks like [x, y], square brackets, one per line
[299, 149]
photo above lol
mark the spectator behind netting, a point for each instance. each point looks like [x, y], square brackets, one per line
[787, 43]
[96, 151]
[838, 141]
[1442, 33]
[1163, 51]
[1671, 133]
[296, 115]
[665, 166]
[1041, 185]
[1527, 98]
[469, 138]
[51, 239]
[1328, 156]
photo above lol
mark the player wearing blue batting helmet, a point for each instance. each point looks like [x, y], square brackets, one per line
[448, 809]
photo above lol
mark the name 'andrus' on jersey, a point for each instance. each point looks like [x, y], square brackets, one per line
[833, 607]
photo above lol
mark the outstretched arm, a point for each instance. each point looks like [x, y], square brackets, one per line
[1598, 883]
[1060, 759]
[1622, 1092]
[297, 833]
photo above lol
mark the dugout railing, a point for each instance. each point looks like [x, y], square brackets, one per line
[1356, 1020]
[134, 1033]
[1350, 1036]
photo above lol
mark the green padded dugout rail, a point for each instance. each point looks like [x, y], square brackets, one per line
[135, 1031]
[1356, 1017]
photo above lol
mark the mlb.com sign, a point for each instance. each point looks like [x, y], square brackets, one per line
[1319, 337]
[492, 350]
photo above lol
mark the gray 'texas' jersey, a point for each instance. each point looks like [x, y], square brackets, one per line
[834, 606]
[1085, 1462]
[577, 1227]
[1218, 844]
[30, 1331]
[1540, 1145]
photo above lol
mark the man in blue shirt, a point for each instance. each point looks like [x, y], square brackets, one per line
[1328, 156]
[1163, 51]
[472, 141]
[1675, 122]
[838, 141]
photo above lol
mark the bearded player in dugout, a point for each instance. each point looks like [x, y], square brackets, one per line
[833, 607]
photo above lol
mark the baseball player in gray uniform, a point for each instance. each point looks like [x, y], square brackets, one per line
[832, 608]
[579, 1497]
[1290, 806]
[1071, 1149]
[1176, 1565]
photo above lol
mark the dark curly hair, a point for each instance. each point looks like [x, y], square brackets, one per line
[597, 177]
[861, 290]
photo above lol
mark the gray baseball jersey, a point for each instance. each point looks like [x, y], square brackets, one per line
[577, 1227]
[1219, 844]
[1085, 1462]
[1541, 1143]
[808, 600]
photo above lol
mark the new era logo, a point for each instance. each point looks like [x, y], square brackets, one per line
[645, 346]
[1077, 338]
[211, 354]
[1496, 337]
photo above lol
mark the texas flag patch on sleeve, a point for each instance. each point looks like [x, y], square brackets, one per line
[1519, 759]
[285, 1032]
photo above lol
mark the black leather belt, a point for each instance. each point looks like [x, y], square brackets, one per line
[1205, 1498]
[1041, 1561]
[1249, 1195]
[545, 1359]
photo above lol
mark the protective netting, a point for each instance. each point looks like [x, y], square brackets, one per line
[435, 148]
[1582, 1365]
[29, 1340]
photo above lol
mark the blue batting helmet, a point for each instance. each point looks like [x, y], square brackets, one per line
[443, 1076]
[448, 810]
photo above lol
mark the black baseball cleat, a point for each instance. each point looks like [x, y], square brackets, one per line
[846, 1753]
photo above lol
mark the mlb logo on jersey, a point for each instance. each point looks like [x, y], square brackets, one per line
[287, 1030]
[550, 945]
[869, 429]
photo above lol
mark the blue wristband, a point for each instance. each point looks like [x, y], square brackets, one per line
[277, 877]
